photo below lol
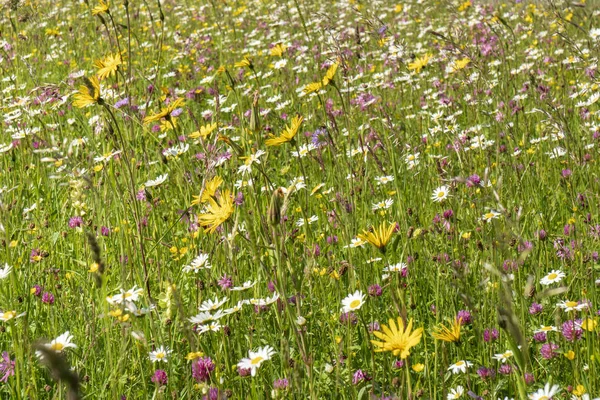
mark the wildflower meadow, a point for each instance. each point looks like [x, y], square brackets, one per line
[299, 199]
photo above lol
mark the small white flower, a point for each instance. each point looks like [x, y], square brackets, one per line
[353, 301]
[456, 393]
[246, 285]
[212, 305]
[440, 194]
[503, 357]
[62, 342]
[545, 393]
[552, 277]
[160, 354]
[256, 358]
[4, 272]
[198, 263]
[382, 180]
[460, 366]
[489, 216]
[155, 182]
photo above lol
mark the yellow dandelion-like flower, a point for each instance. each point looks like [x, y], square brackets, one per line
[398, 340]
[204, 131]
[278, 50]
[379, 237]
[109, 65]
[449, 333]
[288, 133]
[419, 63]
[313, 87]
[89, 93]
[101, 8]
[330, 73]
[165, 112]
[209, 191]
[219, 210]
[246, 62]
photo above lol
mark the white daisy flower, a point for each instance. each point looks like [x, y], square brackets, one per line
[155, 182]
[160, 354]
[256, 358]
[460, 366]
[546, 393]
[246, 285]
[4, 272]
[553, 277]
[212, 305]
[503, 357]
[62, 342]
[440, 194]
[198, 263]
[455, 393]
[353, 301]
[489, 216]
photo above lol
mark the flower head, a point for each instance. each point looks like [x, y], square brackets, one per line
[109, 65]
[164, 112]
[397, 339]
[448, 333]
[353, 302]
[160, 354]
[89, 93]
[419, 63]
[218, 211]
[288, 133]
[380, 236]
[255, 359]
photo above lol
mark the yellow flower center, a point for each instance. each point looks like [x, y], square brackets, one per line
[440, 194]
[256, 360]
[552, 276]
[355, 303]
[127, 295]
[489, 215]
[460, 363]
[9, 315]
[57, 346]
[160, 355]
[571, 304]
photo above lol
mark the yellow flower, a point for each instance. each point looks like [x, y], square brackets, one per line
[165, 112]
[278, 50]
[313, 87]
[89, 93]
[218, 211]
[418, 367]
[457, 65]
[102, 7]
[464, 5]
[379, 237]
[193, 355]
[209, 191]
[589, 324]
[246, 62]
[448, 334]
[570, 355]
[579, 391]
[204, 131]
[397, 339]
[109, 65]
[94, 267]
[288, 133]
[419, 63]
[330, 73]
